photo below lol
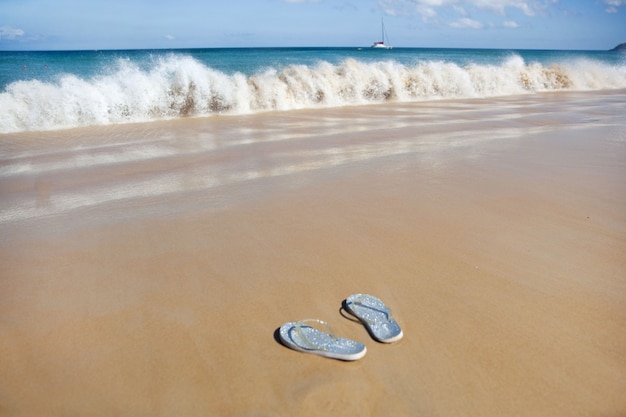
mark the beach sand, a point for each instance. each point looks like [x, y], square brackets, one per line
[145, 269]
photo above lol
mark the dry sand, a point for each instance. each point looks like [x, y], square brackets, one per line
[502, 258]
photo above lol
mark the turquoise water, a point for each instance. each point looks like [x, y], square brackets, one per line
[61, 89]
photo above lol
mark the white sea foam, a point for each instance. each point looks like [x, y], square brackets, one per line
[182, 86]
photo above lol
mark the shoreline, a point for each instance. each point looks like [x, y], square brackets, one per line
[497, 241]
[36, 159]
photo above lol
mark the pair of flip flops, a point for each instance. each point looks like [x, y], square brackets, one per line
[371, 311]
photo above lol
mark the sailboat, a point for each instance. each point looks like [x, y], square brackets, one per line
[382, 44]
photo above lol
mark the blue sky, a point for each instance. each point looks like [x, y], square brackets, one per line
[136, 24]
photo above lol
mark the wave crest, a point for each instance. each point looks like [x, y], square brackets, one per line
[180, 86]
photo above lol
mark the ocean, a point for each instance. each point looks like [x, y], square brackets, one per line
[42, 91]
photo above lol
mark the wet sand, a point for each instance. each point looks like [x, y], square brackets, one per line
[152, 284]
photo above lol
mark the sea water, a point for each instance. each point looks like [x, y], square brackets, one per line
[64, 89]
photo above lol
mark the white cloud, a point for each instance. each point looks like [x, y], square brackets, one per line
[613, 5]
[510, 24]
[466, 23]
[170, 37]
[428, 8]
[529, 8]
[7, 32]
[426, 11]
[460, 10]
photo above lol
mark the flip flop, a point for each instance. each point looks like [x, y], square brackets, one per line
[304, 338]
[376, 317]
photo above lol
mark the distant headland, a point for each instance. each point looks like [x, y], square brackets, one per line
[620, 47]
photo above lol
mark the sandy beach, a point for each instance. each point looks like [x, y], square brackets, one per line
[145, 269]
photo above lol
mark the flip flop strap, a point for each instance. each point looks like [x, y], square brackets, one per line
[305, 339]
[359, 301]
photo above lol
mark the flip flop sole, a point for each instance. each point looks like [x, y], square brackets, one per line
[304, 338]
[375, 316]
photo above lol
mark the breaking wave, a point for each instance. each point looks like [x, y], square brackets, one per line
[181, 86]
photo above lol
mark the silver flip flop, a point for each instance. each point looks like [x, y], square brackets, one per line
[302, 337]
[376, 317]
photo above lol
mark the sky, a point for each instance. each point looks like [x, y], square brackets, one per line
[147, 24]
